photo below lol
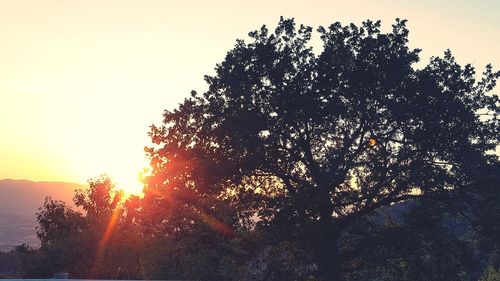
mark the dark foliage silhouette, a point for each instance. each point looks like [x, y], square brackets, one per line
[306, 145]
[87, 244]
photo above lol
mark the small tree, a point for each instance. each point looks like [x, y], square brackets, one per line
[92, 244]
[307, 144]
[60, 232]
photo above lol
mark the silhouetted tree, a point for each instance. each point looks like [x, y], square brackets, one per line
[306, 144]
[99, 242]
[59, 230]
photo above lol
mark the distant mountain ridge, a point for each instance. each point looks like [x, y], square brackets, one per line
[19, 202]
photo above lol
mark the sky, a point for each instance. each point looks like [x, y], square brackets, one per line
[82, 81]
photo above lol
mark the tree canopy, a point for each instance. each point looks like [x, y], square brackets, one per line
[308, 143]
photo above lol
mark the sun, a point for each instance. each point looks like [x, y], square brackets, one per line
[130, 184]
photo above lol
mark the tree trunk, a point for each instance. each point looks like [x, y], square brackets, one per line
[327, 250]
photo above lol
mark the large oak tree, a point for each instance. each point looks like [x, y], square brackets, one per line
[307, 142]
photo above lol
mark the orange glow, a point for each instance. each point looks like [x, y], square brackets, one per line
[217, 225]
[101, 248]
[372, 142]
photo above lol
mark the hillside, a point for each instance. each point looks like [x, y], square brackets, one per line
[19, 202]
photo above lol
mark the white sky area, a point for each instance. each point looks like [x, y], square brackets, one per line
[81, 81]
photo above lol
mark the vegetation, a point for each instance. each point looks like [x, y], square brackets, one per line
[347, 164]
[490, 275]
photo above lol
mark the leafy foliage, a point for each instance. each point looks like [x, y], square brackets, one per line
[308, 144]
[72, 241]
[490, 274]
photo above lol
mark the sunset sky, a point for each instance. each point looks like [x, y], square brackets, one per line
[81, 81]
